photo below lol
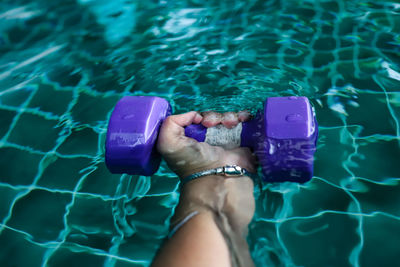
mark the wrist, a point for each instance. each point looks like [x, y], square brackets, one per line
[218, 194]
[227, 171]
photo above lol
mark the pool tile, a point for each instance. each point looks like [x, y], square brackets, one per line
[37, 209]
[64, 75]
[317, 196]
[295, 56]
[106, 81]
[122, 263]
[326, 117]
[18, 167]
[365, 84]
[81, 141]
[381, 243]
[372, 113]
[325, 44]
[19, 251]
[48, 99]
[139, 248]
[150, 224]
[391, 84]
[92, 214]
[332, 150]
[324, 60]
[66, 257]
[6, 118]
[64, 173]
[17, 34]
[387, 40]
[381, 157]
[318, 241]
[93, 110]
[265, 246]
[93, 240]
[346, 26]
[101, 181]
[35, 131]
[162, 184]
[383, 197]
[7, 196]
[269, 203]
[15, 98]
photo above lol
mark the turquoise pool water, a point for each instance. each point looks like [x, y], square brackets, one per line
[64, 64]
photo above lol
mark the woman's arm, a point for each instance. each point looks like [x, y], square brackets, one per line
[216, 236]
[197, 243]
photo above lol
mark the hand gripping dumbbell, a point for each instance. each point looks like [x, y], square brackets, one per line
[283, 136]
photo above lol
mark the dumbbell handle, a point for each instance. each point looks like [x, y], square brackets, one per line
[239, 136]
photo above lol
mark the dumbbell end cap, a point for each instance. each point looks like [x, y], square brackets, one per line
[287, 153]
[132, 135]
[289, 118]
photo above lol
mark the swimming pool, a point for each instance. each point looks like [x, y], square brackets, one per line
[64, 64]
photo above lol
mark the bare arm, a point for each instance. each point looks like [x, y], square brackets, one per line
[198, 243]
[216, 236]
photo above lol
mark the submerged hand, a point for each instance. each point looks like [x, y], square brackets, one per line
[230, 200]
[186, 156]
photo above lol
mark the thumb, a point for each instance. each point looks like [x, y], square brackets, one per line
[172, 130]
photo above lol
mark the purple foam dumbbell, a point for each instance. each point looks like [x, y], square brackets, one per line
[283, 137]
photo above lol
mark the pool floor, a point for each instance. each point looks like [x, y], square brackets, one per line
[65, 64]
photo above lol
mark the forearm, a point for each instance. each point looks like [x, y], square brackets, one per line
[198, 242]
[220, 239]
[230, 204]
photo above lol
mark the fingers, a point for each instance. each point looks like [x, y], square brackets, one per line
[185, 119]
[172, 129]
[228, 119]
[244, 115]
[211, 118]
